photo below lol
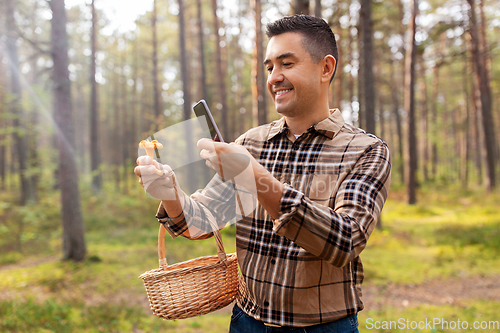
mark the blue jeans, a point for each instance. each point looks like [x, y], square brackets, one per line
[243, 323]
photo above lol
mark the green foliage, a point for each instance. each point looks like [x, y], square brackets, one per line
[403, 318]
[104, 293]
[442, 236]
[448, 235]
[31, 317]
[113, 209]
[10, 258]
[52, 316]
[27, 228]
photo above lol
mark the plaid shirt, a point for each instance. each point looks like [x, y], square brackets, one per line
[304, 267]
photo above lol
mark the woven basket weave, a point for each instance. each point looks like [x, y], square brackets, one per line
[194, 287]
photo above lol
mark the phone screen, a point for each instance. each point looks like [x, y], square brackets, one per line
[201, 110]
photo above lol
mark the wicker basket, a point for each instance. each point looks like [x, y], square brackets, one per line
[194, 287]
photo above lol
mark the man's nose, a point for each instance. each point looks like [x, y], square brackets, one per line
[275, 76]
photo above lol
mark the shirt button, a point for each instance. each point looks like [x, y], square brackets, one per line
[266, 303]
[273, 261]
[295, 147]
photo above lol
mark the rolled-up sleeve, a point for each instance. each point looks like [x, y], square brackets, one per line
[338, 234]
[214, 203]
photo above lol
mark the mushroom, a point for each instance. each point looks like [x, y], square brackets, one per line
[150, 147]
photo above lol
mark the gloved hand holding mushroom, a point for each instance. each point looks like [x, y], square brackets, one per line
[157, 179]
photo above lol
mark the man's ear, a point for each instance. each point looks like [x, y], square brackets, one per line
[328, 63]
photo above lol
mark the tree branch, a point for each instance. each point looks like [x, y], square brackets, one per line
[36, 45]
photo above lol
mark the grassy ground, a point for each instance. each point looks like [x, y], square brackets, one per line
[435, 260]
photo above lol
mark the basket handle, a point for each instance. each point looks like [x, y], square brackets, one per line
[161, 245]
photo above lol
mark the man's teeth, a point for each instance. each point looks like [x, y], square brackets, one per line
[281, 92]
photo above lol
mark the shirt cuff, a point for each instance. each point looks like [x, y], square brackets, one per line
[174, 225]
[290, 200]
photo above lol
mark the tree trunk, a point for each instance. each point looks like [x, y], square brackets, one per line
[258, 77]
[242, 114]
[3, 126]
[361, 76]
[203, 88]
[156, 86]
[220, 73]
[201, 47]
[397, 118]
[411, 177]
[19, 119]
[135, 136]
[301, 7]
[402, 32]
[350, 53]
[487, 55]
[317, 8]
[186, 114]
[379, 224]
[484, 45]
[114, 135]
[95, 157]
[381, 116]
[466, 144]
[477, 134]
[338, 83]
[192, 179]
[485, 97]
[73, 234]
[33, 136]
[424, 121]
[80, 131]
[368, 80]
[126, 164]
[434, 118]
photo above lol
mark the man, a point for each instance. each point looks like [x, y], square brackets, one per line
[320, 185]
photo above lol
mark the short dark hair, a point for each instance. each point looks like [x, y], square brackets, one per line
[318, 38]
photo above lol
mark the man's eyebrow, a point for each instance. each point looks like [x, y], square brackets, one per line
[281, 56]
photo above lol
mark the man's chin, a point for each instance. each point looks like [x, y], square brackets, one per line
[282, 109]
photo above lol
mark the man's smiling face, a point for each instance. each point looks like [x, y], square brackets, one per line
[293, 77]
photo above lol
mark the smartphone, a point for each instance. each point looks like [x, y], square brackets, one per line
[201, 110]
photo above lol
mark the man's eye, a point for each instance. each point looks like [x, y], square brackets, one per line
[269, 69]
[287, 64]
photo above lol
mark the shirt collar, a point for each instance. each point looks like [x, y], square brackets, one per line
[328, 127]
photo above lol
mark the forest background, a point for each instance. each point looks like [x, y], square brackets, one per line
[77, 94]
